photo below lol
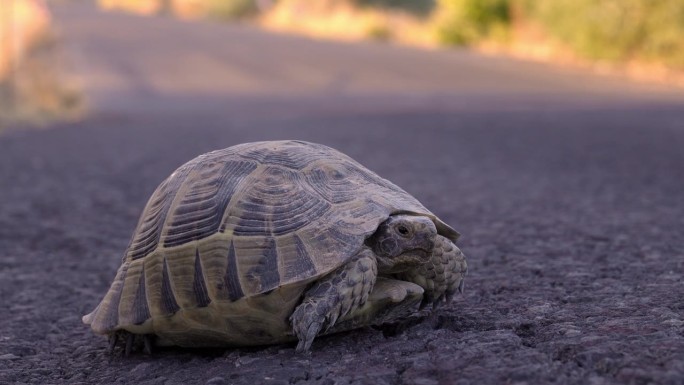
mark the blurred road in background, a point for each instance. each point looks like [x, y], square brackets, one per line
[567, 188]
[153, 64]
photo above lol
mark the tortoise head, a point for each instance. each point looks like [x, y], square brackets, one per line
[402, 242]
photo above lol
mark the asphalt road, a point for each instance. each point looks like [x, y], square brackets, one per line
[567, 189]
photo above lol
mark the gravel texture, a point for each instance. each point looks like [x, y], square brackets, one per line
[571, 220]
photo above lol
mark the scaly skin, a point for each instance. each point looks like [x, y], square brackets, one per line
[333, 297]
[346, 290]
[442, 276]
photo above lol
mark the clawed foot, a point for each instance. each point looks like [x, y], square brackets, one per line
[131, 342]
[333, 297]
[307, 320]
[436, 299]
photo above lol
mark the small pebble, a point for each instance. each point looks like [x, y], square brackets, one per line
[141, 368]
[245, 360]
[217, 381]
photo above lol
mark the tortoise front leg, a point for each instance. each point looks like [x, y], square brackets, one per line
[332, 297]
[390, 301]
[442, 275]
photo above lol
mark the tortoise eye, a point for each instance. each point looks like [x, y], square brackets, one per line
[403, 230]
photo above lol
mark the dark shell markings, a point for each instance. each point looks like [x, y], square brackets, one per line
[227, 245]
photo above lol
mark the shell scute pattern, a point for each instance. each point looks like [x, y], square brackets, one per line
[208, 193]
[150, 226]
[140, 310]
[228, 285]
[276, 203]
[333, 182]
[286, 154]
[199, 284]
[241, 222]
[258, 264]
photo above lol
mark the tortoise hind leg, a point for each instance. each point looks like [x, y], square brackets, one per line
[333, 297]
[131, 342]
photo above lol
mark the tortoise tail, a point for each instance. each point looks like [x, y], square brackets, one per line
[105, 318]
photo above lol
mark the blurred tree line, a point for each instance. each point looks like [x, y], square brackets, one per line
[614, 30]
[420, 7]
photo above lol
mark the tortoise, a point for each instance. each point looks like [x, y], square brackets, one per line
[276, 241]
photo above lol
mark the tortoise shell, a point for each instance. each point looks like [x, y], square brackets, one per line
[249, 221]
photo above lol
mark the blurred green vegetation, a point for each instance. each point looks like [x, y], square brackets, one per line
[643, 31]
[379, 32]
[231, 9]
[616, 30]
[419, 7]
[464, 22]
[612, 30]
